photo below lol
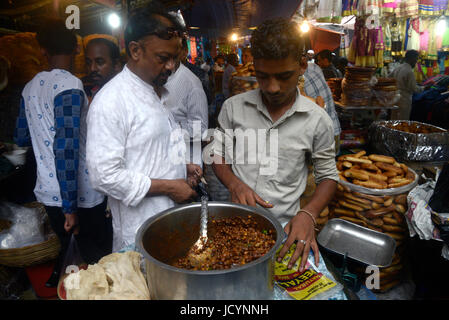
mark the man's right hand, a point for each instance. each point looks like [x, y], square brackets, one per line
[71, 222]
[180, 191]
[243, 194]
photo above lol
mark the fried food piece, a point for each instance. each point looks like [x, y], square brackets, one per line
[381, 158]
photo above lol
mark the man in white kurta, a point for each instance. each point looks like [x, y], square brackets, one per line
[406, 82]
[135, 149]
[129, 141]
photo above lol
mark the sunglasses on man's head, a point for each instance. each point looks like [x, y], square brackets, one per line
[169, 33]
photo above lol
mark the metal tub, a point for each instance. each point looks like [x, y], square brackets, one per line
[361, 244]
[167, 236]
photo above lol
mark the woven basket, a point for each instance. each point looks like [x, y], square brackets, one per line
[34, 254]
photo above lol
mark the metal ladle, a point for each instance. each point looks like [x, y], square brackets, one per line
[198, 254]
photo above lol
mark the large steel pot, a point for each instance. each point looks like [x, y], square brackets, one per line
[167, 236]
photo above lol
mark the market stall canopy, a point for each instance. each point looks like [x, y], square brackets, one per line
[214, 18]
[27, 15]
[217, 18]
[322, 39]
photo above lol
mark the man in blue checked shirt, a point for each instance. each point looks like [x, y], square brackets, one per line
[315, 86]
[52, 116]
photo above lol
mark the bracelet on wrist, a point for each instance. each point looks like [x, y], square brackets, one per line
[311, 216]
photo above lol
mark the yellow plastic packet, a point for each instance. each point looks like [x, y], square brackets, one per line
[300, 285]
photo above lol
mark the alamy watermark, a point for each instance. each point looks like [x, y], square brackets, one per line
[241, 147]
[373, 280]
[73, 20]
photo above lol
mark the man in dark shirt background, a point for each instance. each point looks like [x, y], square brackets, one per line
[102, 62]
[200, 73]
[324, 60]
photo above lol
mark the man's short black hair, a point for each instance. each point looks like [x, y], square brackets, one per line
[144, 22]
[325, 54]
[220, 56]
[411, 54]
[276, 39]
[55, 38]
[114, 51]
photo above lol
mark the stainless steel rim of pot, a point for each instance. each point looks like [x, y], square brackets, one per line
[280, 237]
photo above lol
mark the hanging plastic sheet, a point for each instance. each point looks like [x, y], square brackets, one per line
[404, 146]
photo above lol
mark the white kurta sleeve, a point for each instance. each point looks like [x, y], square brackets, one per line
[105, 149]
[197, 109]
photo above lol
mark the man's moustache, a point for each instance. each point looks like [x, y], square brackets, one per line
[95, 75]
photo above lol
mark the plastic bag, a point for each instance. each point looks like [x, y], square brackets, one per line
[310, 284]
[385, 98]
[419, 219]
[440, 198]
[72, 260]
[27, 226]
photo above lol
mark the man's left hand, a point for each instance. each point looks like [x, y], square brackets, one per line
[194, 174]
[299, 228]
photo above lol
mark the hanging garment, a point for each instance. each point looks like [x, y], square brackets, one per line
[325, 11]
[379, 48]
[390, 6]
[387, 41]
[426, 7]
[354, 6]
[420, 72]
[368, 7]
[336, 11]
[432, 51]
[413, 35]
[408, 8]
[396, 39]
[346, 9]
[439, 7]
[344, 44]
[445, 40]
[445, 63]
[424, 37]
[362, 50]
[406, 34]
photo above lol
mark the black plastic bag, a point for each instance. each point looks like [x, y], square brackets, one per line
[439, 202]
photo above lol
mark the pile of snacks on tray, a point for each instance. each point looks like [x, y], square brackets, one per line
[373, 171]
[373, 193]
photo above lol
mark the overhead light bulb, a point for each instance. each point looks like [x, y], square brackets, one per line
[234, 37]
[305, 27]
[114, 20]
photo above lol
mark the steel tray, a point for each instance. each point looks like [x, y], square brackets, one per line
[359, 243]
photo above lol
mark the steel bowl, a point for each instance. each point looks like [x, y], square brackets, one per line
[167, 236]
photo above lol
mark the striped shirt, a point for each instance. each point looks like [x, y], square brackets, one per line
[315, 85]
[187, 100]
[229, 70]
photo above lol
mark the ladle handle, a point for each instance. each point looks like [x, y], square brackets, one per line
[204, 216]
